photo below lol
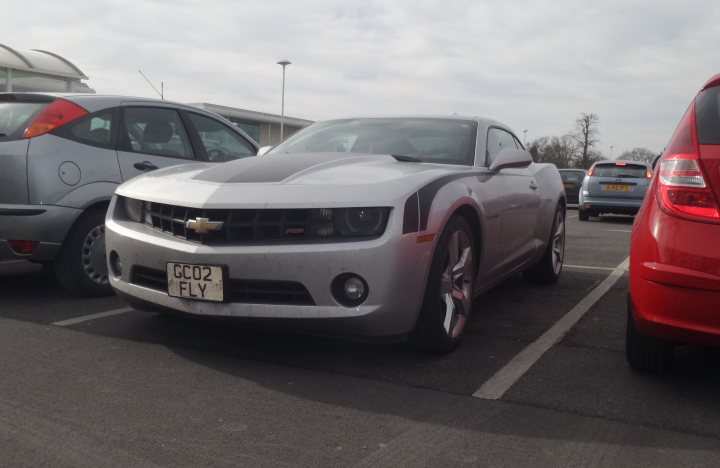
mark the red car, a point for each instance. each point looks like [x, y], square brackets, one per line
[675, 248]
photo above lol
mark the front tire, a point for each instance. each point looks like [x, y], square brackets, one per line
[548, 269]
[81, 265]
[448, 299]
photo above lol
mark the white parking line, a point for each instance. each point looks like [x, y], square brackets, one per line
[495, 387]
[619, 230]
[86, 318]
[587, 267]
[573, 216]
[11, 262]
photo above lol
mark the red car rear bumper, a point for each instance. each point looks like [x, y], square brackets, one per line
[675, 278]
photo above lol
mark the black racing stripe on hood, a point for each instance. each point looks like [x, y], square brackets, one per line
[267, 169]
[427, 194]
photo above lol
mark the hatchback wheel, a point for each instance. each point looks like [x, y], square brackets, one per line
[645, 353]
[81, 266]
[449, 292]
[583, 215]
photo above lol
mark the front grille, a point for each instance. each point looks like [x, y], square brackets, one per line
[242, 291]
[238, 226]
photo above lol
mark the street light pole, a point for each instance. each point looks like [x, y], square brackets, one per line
[611, 147]
[284, 63]
[524, 136]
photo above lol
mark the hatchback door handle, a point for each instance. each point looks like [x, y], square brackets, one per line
[533, 185]
[145, 166]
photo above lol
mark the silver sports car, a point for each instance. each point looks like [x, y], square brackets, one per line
[379, 227]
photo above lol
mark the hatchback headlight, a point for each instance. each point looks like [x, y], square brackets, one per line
[133, 209]
[360, 222]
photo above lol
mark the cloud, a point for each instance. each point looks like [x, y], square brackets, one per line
[534, 65]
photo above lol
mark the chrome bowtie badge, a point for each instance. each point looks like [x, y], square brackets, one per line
[203, 225]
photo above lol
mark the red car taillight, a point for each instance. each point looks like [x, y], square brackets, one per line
[682, 187]
[57, 114]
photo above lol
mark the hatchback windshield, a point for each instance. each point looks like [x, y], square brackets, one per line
[446, 141]
[633, 171]
[14, 118]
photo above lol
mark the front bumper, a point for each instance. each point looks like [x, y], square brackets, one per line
[394, 266]
[47, 224]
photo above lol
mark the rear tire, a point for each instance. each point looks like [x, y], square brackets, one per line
[548, 269]
[583, 215]
[647, 354]
[81, 265]
[448, 299]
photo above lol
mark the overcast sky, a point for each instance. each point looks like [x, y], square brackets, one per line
[533, 65]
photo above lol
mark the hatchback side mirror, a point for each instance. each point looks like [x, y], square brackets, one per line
[511, 158]
[264, 150]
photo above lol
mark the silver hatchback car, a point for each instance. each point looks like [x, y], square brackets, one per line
[613, 187]
[62, 156]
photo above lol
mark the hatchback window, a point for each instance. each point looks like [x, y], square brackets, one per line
[95, 130]
[15, 117]
[156, 131]
[631, 171]
[707, 112]
[219, 141]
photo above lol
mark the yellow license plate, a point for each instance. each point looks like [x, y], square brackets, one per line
[568, 184]
[618, 188]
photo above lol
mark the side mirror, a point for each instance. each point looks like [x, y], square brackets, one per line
[264, 150]
[511, 158]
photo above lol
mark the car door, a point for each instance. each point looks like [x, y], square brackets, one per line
[152, 137]
[518, 194]
[220, 142]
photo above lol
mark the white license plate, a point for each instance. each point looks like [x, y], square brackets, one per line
[200, 282]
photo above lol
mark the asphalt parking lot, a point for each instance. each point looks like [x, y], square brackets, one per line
[90, 382]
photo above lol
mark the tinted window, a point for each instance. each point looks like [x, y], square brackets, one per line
[446, 141]
[498, 140]
[572, 176]
[94, 130]
[15, 118]
[220, 142]
[156, 131]
[627, 171]
[707, 107]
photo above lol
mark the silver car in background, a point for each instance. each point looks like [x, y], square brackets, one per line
[376, 226]
[63, 155]
[616, 187]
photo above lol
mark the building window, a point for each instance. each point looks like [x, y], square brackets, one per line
[252, 129]
[23, 81]
[3, 80]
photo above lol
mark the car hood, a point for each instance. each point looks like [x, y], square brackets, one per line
[308, 179]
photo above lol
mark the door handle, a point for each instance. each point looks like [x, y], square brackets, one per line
[533, 185]
[145, 166]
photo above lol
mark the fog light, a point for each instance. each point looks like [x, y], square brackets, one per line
[24, 247]
[115, 264]
[354, 288]
[349, 290]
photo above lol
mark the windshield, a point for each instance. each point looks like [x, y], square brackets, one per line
[572, 176]
[446, 141]
[631, 171]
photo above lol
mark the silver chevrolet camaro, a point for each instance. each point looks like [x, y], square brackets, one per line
[378, 227]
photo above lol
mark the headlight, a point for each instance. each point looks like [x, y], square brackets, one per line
[133, 209]
[360, 222]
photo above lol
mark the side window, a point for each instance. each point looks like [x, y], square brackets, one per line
[94, 130]
[497, 141]
[220, 142]
[155, 130]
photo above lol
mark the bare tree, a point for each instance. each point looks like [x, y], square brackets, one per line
[585, 137]
[638, 154]
[556, 150]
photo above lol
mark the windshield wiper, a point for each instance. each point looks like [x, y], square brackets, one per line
[403, 158]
